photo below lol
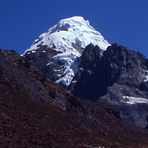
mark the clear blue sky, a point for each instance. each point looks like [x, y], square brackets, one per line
[124, 22]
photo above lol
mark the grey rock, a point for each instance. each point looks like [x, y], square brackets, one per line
[110, 75]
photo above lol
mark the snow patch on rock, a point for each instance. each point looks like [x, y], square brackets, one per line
[134, 100]
[145, 79]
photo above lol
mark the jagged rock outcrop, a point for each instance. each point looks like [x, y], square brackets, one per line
[42, 57]
[36, 112]
[85, 83]
[118, 76]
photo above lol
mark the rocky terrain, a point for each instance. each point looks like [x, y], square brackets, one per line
[36, 112]
[116, 76]
[77, 57]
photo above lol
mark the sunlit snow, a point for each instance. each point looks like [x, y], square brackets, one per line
[145, 77]
[60, 38]
[134, 100]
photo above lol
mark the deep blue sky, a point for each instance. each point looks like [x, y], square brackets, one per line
[124, 22]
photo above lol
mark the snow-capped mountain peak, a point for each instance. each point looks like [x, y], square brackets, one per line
[62, 37]
[71, 30]
[73, 23]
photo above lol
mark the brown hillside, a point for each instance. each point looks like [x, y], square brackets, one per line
[35, 112]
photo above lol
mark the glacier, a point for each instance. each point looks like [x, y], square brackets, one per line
[61, 37]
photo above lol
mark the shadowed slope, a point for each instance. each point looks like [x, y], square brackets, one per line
[36, 112]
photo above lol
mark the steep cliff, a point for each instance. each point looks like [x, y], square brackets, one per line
[116, 76]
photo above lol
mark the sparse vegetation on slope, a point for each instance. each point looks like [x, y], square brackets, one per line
[36, 112]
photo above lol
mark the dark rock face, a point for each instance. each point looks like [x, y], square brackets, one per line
[42, 57]
[36, 112]
[86, 80]
[110, 76]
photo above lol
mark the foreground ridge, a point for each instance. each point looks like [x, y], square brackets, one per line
[36, 112]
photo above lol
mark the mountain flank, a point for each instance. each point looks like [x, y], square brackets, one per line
[36, 112]
[78, 58]
[116, 76]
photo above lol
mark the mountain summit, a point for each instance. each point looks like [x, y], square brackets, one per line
[67, 31]
[66, 40]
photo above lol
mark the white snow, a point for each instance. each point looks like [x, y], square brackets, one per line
[145, 79]
[74, 81]
[71, 66]
[60, 38]
[134, 100]
[33, 51]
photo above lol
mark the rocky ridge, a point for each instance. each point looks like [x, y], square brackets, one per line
[116, 76]
[36, 112]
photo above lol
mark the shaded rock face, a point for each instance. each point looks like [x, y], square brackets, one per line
[42, 57]
[85, 80]
[115, 77]
[36, 112]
